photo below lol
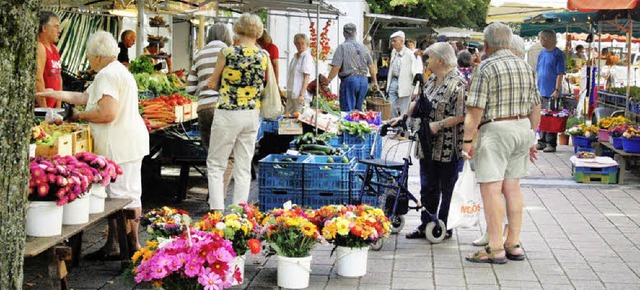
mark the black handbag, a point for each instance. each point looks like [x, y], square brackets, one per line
[421, 110]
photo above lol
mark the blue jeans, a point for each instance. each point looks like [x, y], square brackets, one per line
[437, 180]
[353, 89]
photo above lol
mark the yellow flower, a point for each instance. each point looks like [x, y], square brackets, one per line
[231, 75]
[248, 51]
[292, 222]
[243, 102]
[342, 226]
[247, 92]
[309, 229]
[233, 224]
[329, 231]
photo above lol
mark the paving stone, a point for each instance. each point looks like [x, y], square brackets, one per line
[482, 287]
[367, 286]
[449, 280]
[587, 284]
[413, 283]
[519, 284]
[621, 276]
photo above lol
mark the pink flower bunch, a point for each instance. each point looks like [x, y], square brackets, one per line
[51, 181]
[107, 169]
[197, 256]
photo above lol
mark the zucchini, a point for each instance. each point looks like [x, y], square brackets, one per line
[314, 152]
[324, 148]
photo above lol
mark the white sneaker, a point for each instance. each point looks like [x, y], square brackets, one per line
[482, 241]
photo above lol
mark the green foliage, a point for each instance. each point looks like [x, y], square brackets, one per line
[457, 13]
[142, 64]
[574, 121]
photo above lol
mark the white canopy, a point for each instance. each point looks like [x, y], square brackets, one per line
[518, 10]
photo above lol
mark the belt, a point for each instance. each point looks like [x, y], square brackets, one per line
[503, 119]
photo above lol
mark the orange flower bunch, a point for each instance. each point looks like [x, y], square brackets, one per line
[324, 41]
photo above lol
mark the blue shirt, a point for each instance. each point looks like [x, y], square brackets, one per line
[550, 65]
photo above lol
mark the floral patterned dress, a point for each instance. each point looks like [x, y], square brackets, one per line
[243, 78]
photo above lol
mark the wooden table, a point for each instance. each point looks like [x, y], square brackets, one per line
[59, 253]
[621, 157]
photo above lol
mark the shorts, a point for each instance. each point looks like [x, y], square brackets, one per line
[502, 151]
[129, 184]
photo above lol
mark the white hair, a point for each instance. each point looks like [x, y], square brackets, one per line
[102, 43]
[444, 51]
[498, 35]
[517, 46]
[549, 35]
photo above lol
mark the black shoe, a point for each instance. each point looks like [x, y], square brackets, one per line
[101, 255]
[448, 235]
[416, 234]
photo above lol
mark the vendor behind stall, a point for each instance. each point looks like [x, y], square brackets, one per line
[118, 130]
[48, 63]
[161, 56]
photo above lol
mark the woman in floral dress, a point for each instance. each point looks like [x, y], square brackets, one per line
[239, 76]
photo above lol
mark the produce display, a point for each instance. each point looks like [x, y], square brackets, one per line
[46, 133]
[316, 145]
[360, 128]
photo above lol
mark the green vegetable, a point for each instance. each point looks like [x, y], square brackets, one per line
[142, 64]
[324, 148]
[314, 152]
[287, 159]
[345, 159]
[330, 160]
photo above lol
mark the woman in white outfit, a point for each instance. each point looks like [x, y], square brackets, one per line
[300, 70]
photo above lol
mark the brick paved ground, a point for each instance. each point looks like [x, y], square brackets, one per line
[576, 236]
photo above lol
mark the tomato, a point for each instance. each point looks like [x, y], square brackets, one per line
[172, 103]
[296, 114]
[180, 102]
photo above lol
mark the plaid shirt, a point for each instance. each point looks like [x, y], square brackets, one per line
[504, 86]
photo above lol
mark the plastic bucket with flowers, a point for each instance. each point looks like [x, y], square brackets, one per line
[606, 124]
[631, 140]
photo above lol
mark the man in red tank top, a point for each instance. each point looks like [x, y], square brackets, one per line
[48, 64]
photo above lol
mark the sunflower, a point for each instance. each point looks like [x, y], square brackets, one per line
[342, 226]
[308, 229]
[329, 231]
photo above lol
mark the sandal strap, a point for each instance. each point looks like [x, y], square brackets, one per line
[509, 248]
[487, 252]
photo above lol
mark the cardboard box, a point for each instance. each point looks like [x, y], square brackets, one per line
[62, 146]
[186, 113]
[194, 110]
[179, 112]
[289, 126]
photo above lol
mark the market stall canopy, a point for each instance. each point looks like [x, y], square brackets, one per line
[458, 32]
[595, 5]
[518, 10]
[386, 19]
[613, 22]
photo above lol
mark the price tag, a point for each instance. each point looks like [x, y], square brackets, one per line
[288, 126]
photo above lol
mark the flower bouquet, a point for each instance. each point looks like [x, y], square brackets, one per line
[352, 226]
[241, 227]
[583, 130]
[611, 122]
[59, 182]
[107, 169]
[165, 222]
[619, 130]
[290, 233]
[192, 260]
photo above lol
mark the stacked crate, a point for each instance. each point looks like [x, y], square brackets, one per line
[325, 182]
[606, 175]
[280, 181]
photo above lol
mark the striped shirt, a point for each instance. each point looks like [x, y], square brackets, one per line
[204, 63]
[504, 86]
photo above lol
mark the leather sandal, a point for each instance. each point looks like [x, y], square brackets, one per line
[487, 255]
[515, 257]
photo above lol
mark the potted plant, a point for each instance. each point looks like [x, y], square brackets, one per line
[165, 222]
[352, 229]
[583, 135]
[616, 135]
[191, 260]
[607, 123]
[241, 227]
[292, 236]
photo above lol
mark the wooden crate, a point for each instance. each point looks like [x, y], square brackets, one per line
[194, 110]
[82, 139]
[186, 112]
[179, 112]
[62, 146]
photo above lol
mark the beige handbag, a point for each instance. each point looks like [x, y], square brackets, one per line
[271, 106]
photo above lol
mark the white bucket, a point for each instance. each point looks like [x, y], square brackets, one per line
[44, 219]
[76, 212]
[32, 150]
[351, 262]
[239, 262]
[293, 273]
[97, 195]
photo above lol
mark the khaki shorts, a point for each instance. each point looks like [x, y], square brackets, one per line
[502, 151]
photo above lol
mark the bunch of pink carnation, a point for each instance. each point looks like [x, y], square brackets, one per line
[53, 181]
[108, 170]
[190, 259]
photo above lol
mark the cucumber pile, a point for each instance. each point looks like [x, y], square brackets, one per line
[308, 143]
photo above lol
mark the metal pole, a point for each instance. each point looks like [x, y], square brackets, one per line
[317, 63]
[630, 34]
[140, 29]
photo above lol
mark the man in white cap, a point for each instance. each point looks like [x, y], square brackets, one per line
[402, 70]
[352, 63]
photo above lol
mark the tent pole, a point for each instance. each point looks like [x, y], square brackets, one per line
[585, 109]
[630, 35]
[140, 29]
[317, 64]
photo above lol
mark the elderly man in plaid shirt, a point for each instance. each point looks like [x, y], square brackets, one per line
[503, 106]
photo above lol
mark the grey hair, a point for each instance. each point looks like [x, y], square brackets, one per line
[517, 46]
[444, 51]
[219, 31]
[464, 58]
[102, 43]
[549, 35]
[498, 35]
[301, 36]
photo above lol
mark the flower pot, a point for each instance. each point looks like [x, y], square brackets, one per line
[603, 135]
[631, 145]
[351, 262]
[581, 141]
[44, 219]
[76, 212]
[293, 273]
[563, 139]
[239, 262]
[616, 142]
[97, 195]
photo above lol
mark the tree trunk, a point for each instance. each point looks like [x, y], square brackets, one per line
[18, 27]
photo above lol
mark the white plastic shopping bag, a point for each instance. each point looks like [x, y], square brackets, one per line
[466, 201]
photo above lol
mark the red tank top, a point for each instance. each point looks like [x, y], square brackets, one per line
[52, 73]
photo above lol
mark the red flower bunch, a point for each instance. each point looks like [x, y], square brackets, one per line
[324, 41]
[51, 181]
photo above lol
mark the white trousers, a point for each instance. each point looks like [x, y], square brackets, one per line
[129, 184]
[237, 131]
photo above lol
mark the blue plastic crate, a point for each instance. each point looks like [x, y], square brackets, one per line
[274, 173]
[577, 149]
[582, 141]
[336, 141]
[358, 152]
[271, 198]
[321, 175]
[269, 126]
[319, 198]
[594, 170]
